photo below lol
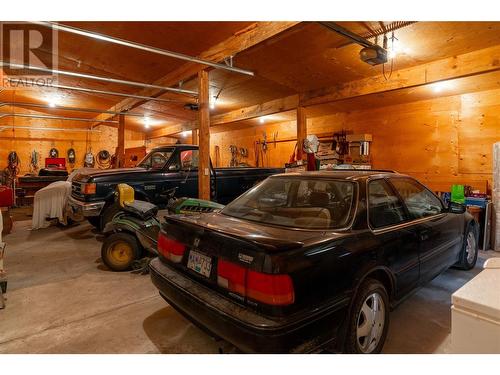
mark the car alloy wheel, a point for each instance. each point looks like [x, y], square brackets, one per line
[470, 248]
[370, 323]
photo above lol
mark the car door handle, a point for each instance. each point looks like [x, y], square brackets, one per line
[423, 235]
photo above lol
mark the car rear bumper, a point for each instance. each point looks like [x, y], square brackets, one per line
[247, 330]
[86, 208]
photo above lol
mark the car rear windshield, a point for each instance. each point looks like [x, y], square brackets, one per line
[310, 203]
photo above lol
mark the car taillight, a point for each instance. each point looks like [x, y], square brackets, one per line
[231, 276]
[171, 249]
[88, 189]
[267, 288]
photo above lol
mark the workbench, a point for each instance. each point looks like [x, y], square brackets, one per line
[29, 185]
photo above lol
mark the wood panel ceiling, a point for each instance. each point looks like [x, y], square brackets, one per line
[303, 58]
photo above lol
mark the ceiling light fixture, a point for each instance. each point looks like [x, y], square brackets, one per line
[262, 120]
[185, 133]
[147, 122]
[396, 48]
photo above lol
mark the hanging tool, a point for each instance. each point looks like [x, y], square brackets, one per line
[71, 156]
[12, 169]
[234, 156]
[104, 159]
[34, 157]
[89, 160]
[257, 152]
[53, 153]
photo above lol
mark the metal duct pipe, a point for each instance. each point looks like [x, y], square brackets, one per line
[94, 91]
[96, 78]
[2, 128]
[143, 47]
[76, 109]
[49, 117]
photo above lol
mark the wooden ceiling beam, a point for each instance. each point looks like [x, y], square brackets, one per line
[264, 109]
[460, 66]
[169, 131]
[240, 41]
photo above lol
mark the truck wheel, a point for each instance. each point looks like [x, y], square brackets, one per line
[119, 251]
[468, 255]
[95, 221]
[107, 215]
[369, 320]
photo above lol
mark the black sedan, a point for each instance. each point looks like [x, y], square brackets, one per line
[314, 260]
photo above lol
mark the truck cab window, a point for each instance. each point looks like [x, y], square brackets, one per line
[189, 160]
[155, 160]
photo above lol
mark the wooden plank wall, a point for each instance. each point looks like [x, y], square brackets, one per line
[440, 141]
[25, 141]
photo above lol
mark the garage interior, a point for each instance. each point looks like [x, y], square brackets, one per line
[248, 94]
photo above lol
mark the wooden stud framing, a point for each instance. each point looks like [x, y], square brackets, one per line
[120, 149]
[194, 136]
[204, 136]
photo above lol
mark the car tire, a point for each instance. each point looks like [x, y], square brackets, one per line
[119, 251]
[368, 322]
[95, 221]
[469, 252]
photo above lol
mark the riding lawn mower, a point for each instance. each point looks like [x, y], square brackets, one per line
[131, 236]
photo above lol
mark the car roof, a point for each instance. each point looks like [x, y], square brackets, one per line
[345, 174]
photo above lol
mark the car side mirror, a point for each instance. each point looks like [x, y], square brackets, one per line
[456, 208]
[173, 168]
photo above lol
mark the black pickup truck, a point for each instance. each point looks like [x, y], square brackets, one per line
[161, 170]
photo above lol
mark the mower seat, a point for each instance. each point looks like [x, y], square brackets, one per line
[143, 210]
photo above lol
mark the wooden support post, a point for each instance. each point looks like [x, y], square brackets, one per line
[194, 136]
[204, 136]
[120, 149]
[301, 131]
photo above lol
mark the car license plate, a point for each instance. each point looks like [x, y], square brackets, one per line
[199, 263]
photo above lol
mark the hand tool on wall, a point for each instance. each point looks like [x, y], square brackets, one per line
[89, 159]
[264, 143]
[71, 156]
[234, 155]
[256, 152]
[53, 153]
[104, 159]
[34, 157]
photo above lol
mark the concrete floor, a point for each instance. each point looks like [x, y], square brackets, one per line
[61, 299]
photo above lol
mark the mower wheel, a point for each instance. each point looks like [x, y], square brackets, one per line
[119, 251]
